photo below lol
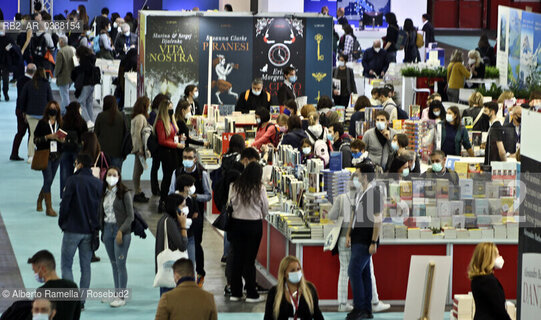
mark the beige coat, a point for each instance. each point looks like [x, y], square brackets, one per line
[187, 301]
[64, 65]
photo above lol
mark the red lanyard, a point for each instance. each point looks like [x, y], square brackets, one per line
[294, 302]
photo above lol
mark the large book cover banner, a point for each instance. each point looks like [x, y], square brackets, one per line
[502, 55]
[171, 55]
[141, 55]
[530, 225]
[318, 58]
[279, 42]
[231, 58]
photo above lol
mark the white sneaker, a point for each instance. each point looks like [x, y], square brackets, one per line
[255, 300]
[90, 124]
[380, 306]
[117, 303]
[345, 307]
[29, 160]
[232, 298]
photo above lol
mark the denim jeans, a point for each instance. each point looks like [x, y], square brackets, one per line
[66, 168]
[70, 243]
[86, 99]
[191, 250]
[117, 253]
[48, 175]
[64, 97]
[359, 277]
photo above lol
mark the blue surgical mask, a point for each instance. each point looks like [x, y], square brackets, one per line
[255, 92]
[381, 125]
[405, 172]
[38, 278]
[295, 277]
[187, 163]
[437, 167]
[306, 150]
[357, 183]
[394, 145]
[287, 112]
[330, 137]
[357, 154]
[40, 316]
[292, 79]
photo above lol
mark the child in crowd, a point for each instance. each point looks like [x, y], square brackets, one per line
[358, 152]
[307, 150]
[375, 97]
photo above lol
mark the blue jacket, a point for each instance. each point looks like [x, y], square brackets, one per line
[80, 203]
[294, 138]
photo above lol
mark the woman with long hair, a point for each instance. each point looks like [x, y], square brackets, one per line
[361, 104]
[116, 217]
[183, 113]
[391, 37]
[293, 296]
[476, 65]
[487, 291]
[456, 75]
[267, 133]
[138, 122]
[454, 135]
[248, 197]
[109, 129]
[46, 138]
[83, 79]
[475, 112]
[191, 93]
[154, 184]
[411, 53]
[35, 97]
[82, 15]
[75, 126]
[486, 50]
[166, 129]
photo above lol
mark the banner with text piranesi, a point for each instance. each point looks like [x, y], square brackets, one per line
[174, 46]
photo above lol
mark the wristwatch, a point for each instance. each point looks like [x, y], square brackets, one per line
[373, 242]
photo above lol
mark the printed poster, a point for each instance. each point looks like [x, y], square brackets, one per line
[231, 58]
[171, 55]
[279, 42]
[502, 55]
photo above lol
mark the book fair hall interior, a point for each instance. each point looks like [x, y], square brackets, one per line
[270, 159]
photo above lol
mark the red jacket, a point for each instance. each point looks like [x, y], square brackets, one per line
[165, 141]
[264, 135]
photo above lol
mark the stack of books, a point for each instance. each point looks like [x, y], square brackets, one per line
[335, 183]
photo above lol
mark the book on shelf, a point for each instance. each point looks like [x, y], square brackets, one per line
[466, 188]
[418, 186]
[481, 206]
[456, 207]
[442, 189]
[406, 190]
[461, 168]
[454, 192]
[443, 208]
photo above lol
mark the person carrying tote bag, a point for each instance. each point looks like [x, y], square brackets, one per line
[171, 241]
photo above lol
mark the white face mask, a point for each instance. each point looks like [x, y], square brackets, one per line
[258, 120]
[471, 61]
[40, 316]
[111, 180]
[295, 277]
[437, 113]
[381, 125]
[88, 33]
[185, 210]
[196, 94]
[340, 64]
[449, 118]
[192, 190]
[109, 29]
[357, 183]
[256, 92]
[498, 263]
[115, 25]
[377, 49]
[119, 29]
[127, 34]
[306, 150]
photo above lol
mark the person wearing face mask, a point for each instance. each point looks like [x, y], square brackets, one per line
[248, 197]
[428, 113]
[358, 152]
[494, 150]
[44, 267]
[375, 63]
[200, 193]
[84, 82]
[293, 297]
[400, 166]
[476, 65]
[183, 114]
[512, 131]
[267, 133]
[62, 71]
[79, 219]
[191, 93]
[176, 218]
[281, 123]
[438, 170]
[166, 129]
[360, 108]
[43, 309]
[116, 217]
[105, 44]
[340, 142]
[287, 91]
[307, 151]
[124, 41]
[342, 94]
[84, 38]
[46, 137]
[475, 112]
[254, 98]
[378, 140]
[453, 135]
[399, 143]
[487, 291]
[116, 21]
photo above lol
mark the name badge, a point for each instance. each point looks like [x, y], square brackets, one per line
[54, 146]
[176, 139]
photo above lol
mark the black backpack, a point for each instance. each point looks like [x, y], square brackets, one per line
[401, 114]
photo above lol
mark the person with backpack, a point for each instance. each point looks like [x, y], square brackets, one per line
[116, 217]
[411, 53]
[307, 150]
[75, 126]
[84, 38]
[348, 45]
[295, 134]
[388, 104]
[84, 77]
[317, 136]
[347, 82]
[392, 37]
[375, 63]
[102, 45]
[254, 98]
[42, 46]
[267, 133]
[341, 142]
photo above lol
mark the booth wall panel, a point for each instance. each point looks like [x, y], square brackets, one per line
[277, 247]
[507, 276]
[189, 4]
[470, 13]
[445, 14]
[391, 266]
[262, 253]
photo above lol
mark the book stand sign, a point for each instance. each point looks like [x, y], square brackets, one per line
[431, 273]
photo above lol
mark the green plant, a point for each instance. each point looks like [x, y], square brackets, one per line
[439, 72]
[492, 72]
[494, 91]
[409, 72]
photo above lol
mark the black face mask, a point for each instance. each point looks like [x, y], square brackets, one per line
[519, 119]
[170, 111]
[52, 112]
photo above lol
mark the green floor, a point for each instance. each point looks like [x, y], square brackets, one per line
[30, 231]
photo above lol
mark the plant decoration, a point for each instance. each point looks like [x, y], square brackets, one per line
[413, 71]
[492, 72]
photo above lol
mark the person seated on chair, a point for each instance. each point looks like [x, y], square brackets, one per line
[254, 98]
[375, 63]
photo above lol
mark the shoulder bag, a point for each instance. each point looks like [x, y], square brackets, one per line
[99, 171]
[40, 161]
[165, 260]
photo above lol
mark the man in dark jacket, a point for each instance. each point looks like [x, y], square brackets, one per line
[375, 63]
[22, 125]
[341, 143]
[79, 219]
[6, 48]
[287, 91]
[124, 41]
[428, 29]
[254, 98]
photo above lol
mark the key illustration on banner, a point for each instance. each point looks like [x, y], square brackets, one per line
[319, 76]
[318, 38]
